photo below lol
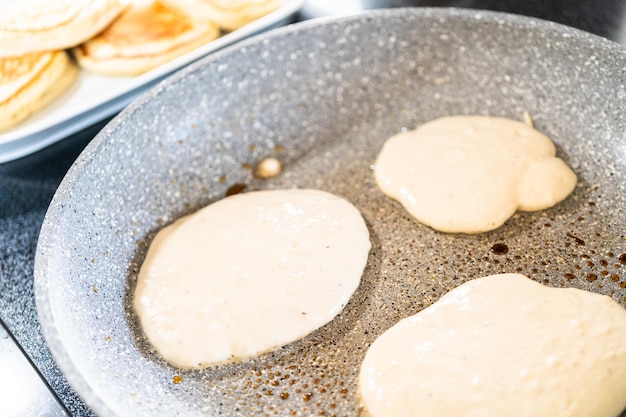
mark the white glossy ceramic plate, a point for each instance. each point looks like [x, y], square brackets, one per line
[94, 97]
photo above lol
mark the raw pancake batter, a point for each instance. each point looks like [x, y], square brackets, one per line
[502, 345]
[469, 174]
[249, 274]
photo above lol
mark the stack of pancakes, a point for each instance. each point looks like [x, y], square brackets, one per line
[110, 37]
[146, 35]
[34, 68]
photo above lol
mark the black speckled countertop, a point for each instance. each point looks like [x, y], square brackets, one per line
[28, 184]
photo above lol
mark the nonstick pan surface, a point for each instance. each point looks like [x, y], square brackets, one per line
[322, 97]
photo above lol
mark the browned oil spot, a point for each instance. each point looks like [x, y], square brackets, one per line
[246, 165]
[591, 277]
[235, 189]
[578, 240]
[284, 395]
[500, 249]
[222, 179]
[307, 396]
[622, 259]
[569, 276]
[177, 379]
[614, 277]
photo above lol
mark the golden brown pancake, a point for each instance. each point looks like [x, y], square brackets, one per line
[142, 38]
[30, 82]
[228, 14]
[45, 25]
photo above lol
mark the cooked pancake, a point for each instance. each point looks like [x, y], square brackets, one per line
[142, 38]
[43, 25]
[233, 14]
[228, 14]
[30, 82]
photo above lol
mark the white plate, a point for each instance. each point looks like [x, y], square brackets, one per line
[94, 97]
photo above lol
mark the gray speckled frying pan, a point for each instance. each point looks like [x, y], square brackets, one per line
[322, 97]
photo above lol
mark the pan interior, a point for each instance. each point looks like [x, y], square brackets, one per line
[322, 97]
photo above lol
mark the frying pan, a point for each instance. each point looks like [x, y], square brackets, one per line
[322, 97]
